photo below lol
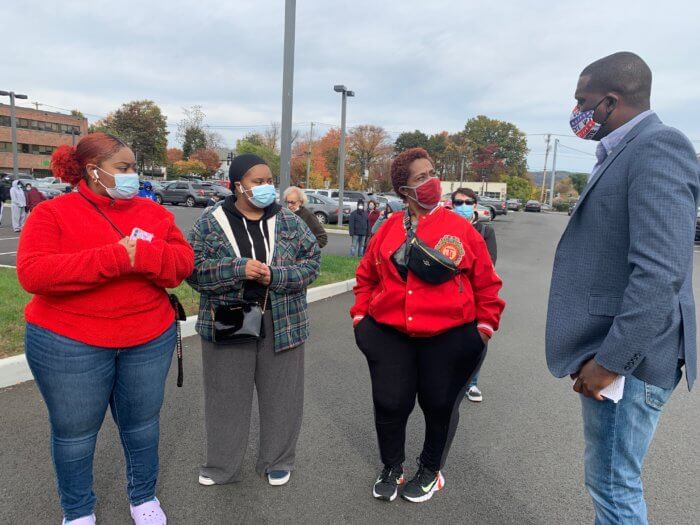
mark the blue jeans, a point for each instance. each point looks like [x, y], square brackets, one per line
[617, 437]
[475, 377]
[77, 382]
[358, 245]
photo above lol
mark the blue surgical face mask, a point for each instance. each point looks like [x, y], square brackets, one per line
[126, 185]
[465, 210]
[261, 196]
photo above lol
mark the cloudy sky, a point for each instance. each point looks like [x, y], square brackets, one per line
[413, 64]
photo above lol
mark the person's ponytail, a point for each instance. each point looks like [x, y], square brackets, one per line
[68, 163]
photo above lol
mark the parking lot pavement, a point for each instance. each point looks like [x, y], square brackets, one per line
[516, 458]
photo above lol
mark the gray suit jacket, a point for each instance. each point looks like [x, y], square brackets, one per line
[622, 282]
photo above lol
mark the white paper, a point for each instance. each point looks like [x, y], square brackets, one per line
[614, 390]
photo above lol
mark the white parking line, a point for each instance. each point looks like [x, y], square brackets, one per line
[8, 238]
[8, 253]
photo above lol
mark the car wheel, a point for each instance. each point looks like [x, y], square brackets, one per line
[159, 199]
[190, 202]
[322, 218]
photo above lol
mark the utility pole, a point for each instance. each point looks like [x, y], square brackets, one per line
[554, 173]
[341, 150]
[287, 95]
[36, 105]
[544, 170]
[13, 124]
[308, 154]
[461, 173]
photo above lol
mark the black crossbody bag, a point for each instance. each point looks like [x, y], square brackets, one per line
[427, 263]
[174, 301]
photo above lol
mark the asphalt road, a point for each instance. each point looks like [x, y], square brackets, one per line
[516, 458]
[184, 217]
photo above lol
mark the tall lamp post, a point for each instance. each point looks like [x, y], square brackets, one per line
[13, 123]
[287, 95]
[341, 151]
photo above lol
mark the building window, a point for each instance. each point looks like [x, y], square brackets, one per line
[39, 125]
[31, 149]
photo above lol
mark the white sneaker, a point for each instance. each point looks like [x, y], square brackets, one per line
[207, 482]
[277, 478]
[474, 395]
[85, 520]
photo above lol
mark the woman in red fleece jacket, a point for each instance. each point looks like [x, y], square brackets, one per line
[422, 339]
[100, 327]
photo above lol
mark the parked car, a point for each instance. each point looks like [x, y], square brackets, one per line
[514, 204]
[497, 206]
[7, 178]
[49, 189]
[326, 209]
[187, 192]
[572, 206]
[350, 197]
[395, 203]
[220, 191]
[534, 206]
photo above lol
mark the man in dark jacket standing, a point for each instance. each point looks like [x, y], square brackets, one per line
[295, 199]
[359, 229]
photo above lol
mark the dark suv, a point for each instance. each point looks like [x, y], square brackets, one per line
[497, 206]
[187, 192]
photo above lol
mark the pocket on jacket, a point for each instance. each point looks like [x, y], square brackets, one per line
[604, 305]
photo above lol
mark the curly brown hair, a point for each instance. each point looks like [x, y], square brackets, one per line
[400, 167]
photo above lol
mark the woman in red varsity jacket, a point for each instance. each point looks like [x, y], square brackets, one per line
[100, 327]
[422, 317]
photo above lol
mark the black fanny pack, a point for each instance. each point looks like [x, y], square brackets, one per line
[238, 322]
[426, 263]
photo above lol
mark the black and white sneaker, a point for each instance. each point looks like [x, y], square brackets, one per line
[387, 484]
[474, 394]
[423, 485]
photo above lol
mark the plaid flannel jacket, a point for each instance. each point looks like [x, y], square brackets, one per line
[219, 275]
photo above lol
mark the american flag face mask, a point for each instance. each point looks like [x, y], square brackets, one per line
[582, 123]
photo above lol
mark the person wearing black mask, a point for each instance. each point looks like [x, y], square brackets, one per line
[359, 229]
[253, 262]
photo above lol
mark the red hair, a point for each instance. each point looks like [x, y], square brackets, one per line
[400, 166]
[68, 163]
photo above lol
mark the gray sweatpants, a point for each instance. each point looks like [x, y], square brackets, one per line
[230, 373]
[19, 214]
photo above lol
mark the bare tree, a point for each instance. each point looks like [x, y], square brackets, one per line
[368, 144]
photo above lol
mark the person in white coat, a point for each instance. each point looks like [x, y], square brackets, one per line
[19, 206]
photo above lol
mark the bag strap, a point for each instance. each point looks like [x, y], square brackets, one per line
[98, 210]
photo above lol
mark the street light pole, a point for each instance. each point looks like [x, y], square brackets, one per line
[554, 173]
[13, 123]
[308, 154]
[287, 95]
[341, 151]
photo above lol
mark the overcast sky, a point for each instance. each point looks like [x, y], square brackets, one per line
[413, 64]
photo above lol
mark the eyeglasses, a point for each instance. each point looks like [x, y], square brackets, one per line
[292, 203]
[459, 202]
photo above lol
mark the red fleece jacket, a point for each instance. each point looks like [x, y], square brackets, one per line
[85, 287]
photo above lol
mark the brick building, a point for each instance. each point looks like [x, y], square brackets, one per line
[39, 133]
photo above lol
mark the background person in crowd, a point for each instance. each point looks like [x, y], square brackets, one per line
[4, 195]
[295, 199]
[100, 327]
[18, 200]
[249, 248]
[373, 214]
[621, 300]
[423, 332]
[383, 217]
[33, 197]
[146, 190]
[464, 202]
[358, 224]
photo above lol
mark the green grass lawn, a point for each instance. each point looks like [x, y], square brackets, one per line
[13, 298]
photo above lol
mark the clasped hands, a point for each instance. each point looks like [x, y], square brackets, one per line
[592, 378]
[258, 271]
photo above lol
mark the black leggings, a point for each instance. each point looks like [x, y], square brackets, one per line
[437, 369]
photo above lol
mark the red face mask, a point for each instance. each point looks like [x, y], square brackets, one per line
[427, 193]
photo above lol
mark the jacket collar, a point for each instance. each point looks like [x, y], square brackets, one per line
[101, 201]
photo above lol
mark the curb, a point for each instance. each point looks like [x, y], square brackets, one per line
[15, 370]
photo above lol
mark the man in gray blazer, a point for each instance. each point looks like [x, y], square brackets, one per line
[621, 300]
